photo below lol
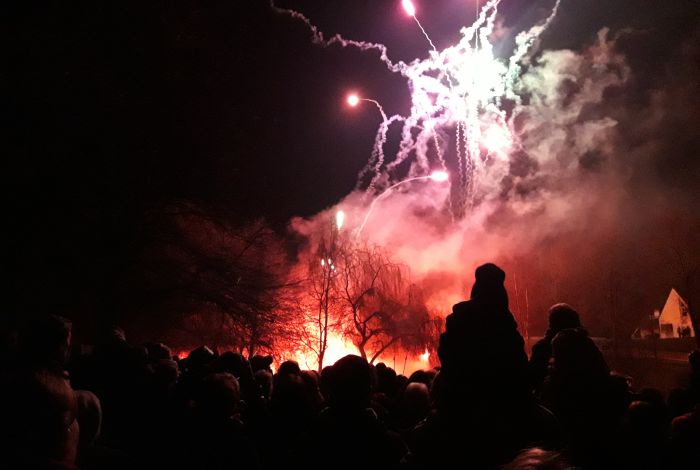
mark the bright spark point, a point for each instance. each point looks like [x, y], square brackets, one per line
[496, 139]
[425, 357]
[408, 7]
[439, 176]
[353, 100]
[339, 219]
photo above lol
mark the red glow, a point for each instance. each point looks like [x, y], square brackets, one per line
[337, 349]
[425, 357]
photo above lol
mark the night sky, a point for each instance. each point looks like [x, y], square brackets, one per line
[113, 108]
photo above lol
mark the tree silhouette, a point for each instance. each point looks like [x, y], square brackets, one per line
[381, 308]
[235, 277]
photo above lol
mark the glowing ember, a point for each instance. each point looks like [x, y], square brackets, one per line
[337, 349]
[339, 219]
[439, 176]
[353, 100]
[409, 7]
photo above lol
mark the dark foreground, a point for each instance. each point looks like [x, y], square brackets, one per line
[122, 405]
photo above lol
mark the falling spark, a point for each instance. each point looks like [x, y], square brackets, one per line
[439, 176]
[339, 219]
[376, 160]
[409, 7]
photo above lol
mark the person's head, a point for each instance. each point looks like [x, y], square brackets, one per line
[263, 379]
[422, 376]
[417, 398]
[561, 317]
[111, 334]
[165, 372]
[261, 363]
[289, 367]
[350, 383]
[199, 360]
[290, 398]
[537, 459]
[41, 417]
[313, 391]
[231, 362]
[488, 286]
[158, 351]
[685, 432]
[218, 395]
[386, 379]
[46, 341]
[576, 354]
[645, 421]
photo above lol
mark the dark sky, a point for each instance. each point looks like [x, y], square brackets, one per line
[113, 108]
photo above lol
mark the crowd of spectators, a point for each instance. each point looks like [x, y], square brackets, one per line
[128, 406]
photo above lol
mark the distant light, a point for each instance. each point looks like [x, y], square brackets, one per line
[353, 100]
[425, 357]
[339, 219]
[408, 7]
[439, 176]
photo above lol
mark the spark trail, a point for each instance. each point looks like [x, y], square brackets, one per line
[457, 91]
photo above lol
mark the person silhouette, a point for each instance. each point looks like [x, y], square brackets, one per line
[561, 317]
[485, 412]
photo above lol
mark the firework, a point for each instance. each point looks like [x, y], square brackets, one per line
[339, 219]
[408, 7]
[439, 176]
[457, 95]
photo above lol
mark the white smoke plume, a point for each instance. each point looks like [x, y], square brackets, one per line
[552, 189]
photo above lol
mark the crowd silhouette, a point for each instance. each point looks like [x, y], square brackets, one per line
[126, 406]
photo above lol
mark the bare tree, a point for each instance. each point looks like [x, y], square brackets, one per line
[236, 276]
[379, 309]
[317, 303]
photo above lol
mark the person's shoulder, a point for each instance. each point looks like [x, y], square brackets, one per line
[460, 310]
[543, 345]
